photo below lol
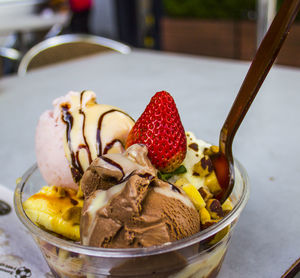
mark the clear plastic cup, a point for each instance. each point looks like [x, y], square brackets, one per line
[200, 255]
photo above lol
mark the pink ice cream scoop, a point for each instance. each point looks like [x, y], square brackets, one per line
[74, 133]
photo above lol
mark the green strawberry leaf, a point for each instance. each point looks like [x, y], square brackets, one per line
[165, 176]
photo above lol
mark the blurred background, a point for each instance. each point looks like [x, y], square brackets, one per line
[216, 28]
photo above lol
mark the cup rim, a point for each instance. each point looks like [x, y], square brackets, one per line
[127, 252]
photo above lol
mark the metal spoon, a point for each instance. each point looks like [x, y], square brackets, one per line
[261, 64]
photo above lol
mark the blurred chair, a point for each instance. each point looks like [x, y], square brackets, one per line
[9, 60]
[67, 47]
[10, 53]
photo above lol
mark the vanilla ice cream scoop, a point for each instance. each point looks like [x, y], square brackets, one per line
[77, 131]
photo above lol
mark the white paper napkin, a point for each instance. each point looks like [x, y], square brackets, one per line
[19, 255]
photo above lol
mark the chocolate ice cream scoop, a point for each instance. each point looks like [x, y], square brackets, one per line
[127, 206]
[111, 169]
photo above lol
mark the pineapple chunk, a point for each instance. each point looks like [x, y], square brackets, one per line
[57, 209]
[212, 183]
[181, 181]
[227, 205]
[211, 150]
[194, 196]
[204, 216]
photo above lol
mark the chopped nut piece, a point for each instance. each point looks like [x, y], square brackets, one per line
[212, 150]
[180, 182]
[204, 216]
[194, 146]
[204, 167]
[208, 223]
[194, 195]
[212, 183]
[205, 193]
[215, 209]
[73, 214]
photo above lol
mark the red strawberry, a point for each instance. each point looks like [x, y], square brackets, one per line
[161, 130]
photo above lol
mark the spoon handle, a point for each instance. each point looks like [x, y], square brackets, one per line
[262, 62]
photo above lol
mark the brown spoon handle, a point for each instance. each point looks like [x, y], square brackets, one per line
[262, 62]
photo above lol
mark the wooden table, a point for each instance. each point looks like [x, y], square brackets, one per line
[267, 238]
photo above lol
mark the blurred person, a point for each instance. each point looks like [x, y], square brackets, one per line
[81, 10]
[58, 5]
[47, 8]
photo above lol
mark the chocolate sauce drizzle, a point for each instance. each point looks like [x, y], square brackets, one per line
[146, 176]
[67, 118]
[110, 145]
[174, 187]
[113, 163]
[87, 148]
[98, 136]
[125, 177]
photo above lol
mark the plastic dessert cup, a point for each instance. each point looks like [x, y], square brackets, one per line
[200, 255]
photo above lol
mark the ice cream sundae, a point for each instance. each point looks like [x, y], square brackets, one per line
[116, 183]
